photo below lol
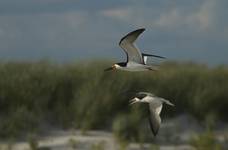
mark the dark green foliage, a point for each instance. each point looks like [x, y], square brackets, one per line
[82, 95]
[20, 120]
[127, 126]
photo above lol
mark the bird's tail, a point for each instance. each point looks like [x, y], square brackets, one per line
[153, 55]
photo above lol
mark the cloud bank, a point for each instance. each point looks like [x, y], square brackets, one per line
[67, 30]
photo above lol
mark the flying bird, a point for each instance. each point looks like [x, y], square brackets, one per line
[136, 61]
[155, 107]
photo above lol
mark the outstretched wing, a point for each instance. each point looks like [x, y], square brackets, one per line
[127, 44]
[154, 118]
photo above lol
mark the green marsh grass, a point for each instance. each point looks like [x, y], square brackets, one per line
[85, 97]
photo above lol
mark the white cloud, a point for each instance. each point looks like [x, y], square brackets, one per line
[200, 19]
[136, 15]
[169, 19]
[123, 14]
[203, 18]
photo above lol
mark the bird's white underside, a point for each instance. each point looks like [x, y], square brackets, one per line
[133, 66]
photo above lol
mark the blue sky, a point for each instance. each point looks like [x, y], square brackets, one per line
[69, 30]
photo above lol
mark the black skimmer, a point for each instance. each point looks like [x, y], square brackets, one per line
[155, 107]
[136, 61]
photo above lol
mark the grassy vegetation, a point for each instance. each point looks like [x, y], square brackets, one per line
[84, 96]
[33, 142]
[73, 143]
[98, 146]
[205, 141]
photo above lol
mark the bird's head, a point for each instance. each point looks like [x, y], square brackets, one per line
[113, 67]
[134, 100]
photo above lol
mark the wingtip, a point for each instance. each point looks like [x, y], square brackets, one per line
[153, 129]
[155, 133]
[162, 57]
[140, 30]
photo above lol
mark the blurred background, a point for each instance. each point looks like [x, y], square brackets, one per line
[54, 94]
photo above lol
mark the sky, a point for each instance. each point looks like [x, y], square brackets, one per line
[71, 30]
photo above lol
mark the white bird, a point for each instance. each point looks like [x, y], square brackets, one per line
[136, 61]
[155, 107]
